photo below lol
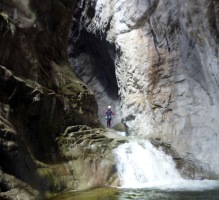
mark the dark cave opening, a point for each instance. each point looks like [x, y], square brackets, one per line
[100, 52]
[101, 55]
[93, 60]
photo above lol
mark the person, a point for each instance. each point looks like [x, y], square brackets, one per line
[108, 115]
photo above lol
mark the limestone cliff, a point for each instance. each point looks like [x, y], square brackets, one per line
[162, 58]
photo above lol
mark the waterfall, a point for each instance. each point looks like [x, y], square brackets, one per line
[141, 165]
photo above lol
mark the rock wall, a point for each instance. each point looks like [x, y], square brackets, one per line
[155, 62]
[165, 57]
[40, 97]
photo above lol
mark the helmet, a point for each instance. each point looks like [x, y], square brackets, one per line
[109, 107]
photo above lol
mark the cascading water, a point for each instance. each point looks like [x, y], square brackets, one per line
[141, 165]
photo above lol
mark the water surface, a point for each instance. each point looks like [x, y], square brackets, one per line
[140, 194]
[147, 173]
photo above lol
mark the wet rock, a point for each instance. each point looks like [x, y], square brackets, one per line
[186, 167]
[120, 127]
[40, 95]
[12, 188]
[87, 157]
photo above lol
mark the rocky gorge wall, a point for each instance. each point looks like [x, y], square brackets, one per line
[155, 62]
[162, 58]
[48, 116]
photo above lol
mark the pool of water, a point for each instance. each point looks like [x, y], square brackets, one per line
[140, 194]
[152, 176]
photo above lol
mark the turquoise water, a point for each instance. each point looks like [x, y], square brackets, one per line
[140, 194]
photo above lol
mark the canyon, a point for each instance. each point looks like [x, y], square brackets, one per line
[64, 61]
[165, 58]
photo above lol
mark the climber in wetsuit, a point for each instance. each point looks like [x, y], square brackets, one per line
[108, 115]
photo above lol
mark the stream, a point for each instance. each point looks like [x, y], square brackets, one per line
[146, 173]
[140, 194]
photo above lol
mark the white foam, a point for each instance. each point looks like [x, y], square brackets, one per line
[121, 133]
[141, 165]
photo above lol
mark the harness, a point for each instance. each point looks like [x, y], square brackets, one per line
[108, 114]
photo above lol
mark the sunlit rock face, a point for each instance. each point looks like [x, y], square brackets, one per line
[165, 57]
